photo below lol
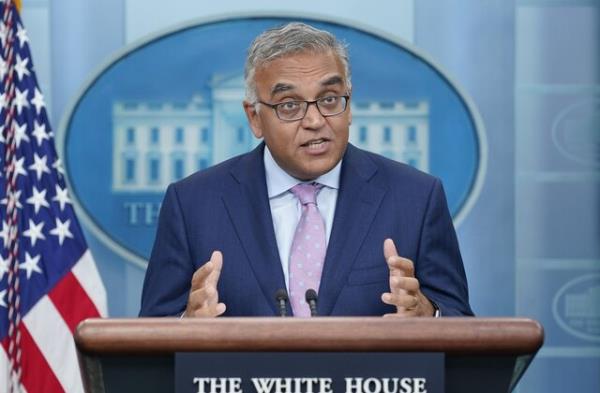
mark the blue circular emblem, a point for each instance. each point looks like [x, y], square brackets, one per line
[172, 105]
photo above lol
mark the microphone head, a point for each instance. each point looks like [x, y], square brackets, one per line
[310, 295]
[281, 294]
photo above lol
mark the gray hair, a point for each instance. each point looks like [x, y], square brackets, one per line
[290, 39]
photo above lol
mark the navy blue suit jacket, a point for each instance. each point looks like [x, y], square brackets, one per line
[226, 208]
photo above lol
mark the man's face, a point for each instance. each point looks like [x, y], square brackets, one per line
[310, 147]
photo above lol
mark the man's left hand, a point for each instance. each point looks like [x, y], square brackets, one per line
[405, 291]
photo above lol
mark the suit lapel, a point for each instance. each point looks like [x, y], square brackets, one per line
[249, 210]
[357, 205]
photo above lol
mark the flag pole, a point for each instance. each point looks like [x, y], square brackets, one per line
[14, 315]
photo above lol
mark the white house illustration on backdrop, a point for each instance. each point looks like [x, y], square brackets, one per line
[584, 305]
[155, 144]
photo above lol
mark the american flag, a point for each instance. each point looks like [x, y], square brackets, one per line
[48, 279]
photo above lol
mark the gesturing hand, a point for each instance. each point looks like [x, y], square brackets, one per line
[203, 300]
[405, 291]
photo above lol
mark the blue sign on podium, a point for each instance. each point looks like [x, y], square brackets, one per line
[309, 372]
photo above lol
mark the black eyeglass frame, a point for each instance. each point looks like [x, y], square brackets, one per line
[346, 98]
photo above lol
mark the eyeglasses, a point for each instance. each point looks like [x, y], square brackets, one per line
[296, 110]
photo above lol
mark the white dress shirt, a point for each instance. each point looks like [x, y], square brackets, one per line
[286, 209]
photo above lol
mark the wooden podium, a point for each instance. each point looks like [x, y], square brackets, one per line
[130, 355]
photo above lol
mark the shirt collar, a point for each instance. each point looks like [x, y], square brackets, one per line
[279, 181]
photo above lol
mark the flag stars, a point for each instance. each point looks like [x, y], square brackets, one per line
[4, 234]
[39, 132]
[21, 67]
[57, 165]
[21, 134]
[61, 197]
[20, 100]
[3, 298]
[62, 230]
[22, 35]
[3, 267]
[30, 265]
[38, 101]
[34, 232]
[12, 200]
[19, 167]
[39, 166]
[38, 199]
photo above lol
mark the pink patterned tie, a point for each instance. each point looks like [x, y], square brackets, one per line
[308, 248]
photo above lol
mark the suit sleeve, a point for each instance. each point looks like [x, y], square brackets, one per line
[170, 269]
[439, 266]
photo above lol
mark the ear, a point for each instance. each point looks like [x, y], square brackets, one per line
[349, 115]
[253, 119]
[349, 109]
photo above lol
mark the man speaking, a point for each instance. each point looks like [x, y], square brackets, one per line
[305, 210]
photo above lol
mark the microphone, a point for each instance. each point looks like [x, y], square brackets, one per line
[281, 297]
[311, 299]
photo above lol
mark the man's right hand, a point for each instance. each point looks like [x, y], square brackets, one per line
[204, 297]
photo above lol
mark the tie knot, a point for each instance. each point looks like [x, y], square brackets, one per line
[306, 192]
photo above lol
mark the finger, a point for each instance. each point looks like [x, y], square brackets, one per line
[202, 297]
[408, 284]
[200, 275]
[216, 259]
[219, 309]
[389, 249]
[393, 315]
[402, 314]
[212, 296]
[394, 287]
[204, 303]
[209, 312]
[401, 301]
[401, 266]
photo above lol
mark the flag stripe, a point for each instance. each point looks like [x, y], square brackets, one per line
[4, 367]
[72, 302]
[37, 376]
[87, 274]
[55, 341]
